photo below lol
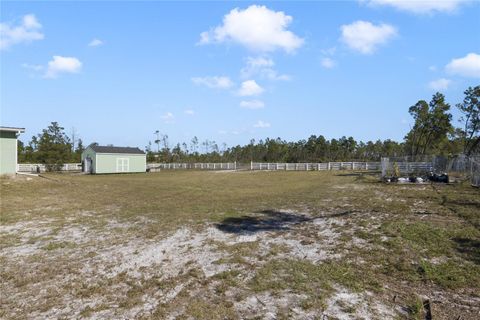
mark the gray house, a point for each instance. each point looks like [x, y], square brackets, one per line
[8, 149]
[110, 159]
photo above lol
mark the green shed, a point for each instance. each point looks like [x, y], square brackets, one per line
[110, 159]
[8, 149]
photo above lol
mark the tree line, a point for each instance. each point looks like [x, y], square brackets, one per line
[53, 147]
[431, 133]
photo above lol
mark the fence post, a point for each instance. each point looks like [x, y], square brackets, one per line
[251, 165]
[328, 165]
[353, 165]
[235, 164]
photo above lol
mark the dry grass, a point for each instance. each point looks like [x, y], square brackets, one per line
[190, 244]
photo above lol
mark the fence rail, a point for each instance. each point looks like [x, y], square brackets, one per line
[153, 167]
[40, 167]
[374, 166]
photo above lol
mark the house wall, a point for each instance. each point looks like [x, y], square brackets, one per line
[107, 163]
[8, 152]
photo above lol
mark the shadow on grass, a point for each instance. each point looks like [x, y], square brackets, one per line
[267, 220]
[468, 203]
[469, 248]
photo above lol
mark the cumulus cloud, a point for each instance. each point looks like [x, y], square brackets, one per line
[61, 65]
[257, 28]
[439, 84]
[27, 31]
[262, 67]
[468, 66]
[250, 88]
[261, 124]
[189, 112]
[95, 43]
[365, 37]
[419, 6]
[168, 117]
[328, 63]
[252, 104]
[221, 82]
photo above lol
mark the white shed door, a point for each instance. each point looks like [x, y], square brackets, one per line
[122, 165]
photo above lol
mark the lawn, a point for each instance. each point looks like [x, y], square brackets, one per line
[236, 245]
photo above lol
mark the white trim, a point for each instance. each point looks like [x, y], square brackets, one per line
[16, 154]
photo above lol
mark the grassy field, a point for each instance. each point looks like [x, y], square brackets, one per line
[236, 245]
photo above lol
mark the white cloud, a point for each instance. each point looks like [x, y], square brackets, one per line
[262, 67]
[252, 104]
[439, 84]
[261, 124]
[95, 43]
[419, 6]
[468, 66]
[250, 88]
[365, 37]
[189, 112]
[328, 63]
[213, 82]
[34, 67]
[257, 28]
[432, 68]
[168, 117]
[61, 65]
[27, 31]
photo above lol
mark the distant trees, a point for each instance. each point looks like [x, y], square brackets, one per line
[314, 149]
[52, 147]
[431, 128]
[470, 108]
[432, 133]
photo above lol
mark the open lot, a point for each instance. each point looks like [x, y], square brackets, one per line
[236, 245]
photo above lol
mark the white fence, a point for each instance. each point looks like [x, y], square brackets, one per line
[406, 168]
[40, 167]
[316, 166]
[153, 167]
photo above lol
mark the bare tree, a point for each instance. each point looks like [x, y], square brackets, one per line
[157, 141]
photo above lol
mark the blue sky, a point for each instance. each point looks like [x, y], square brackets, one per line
[232, 71]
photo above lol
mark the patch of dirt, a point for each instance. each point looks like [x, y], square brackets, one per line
[111, 272]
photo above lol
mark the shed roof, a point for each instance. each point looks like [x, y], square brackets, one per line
[112, 149]
[12, 129]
